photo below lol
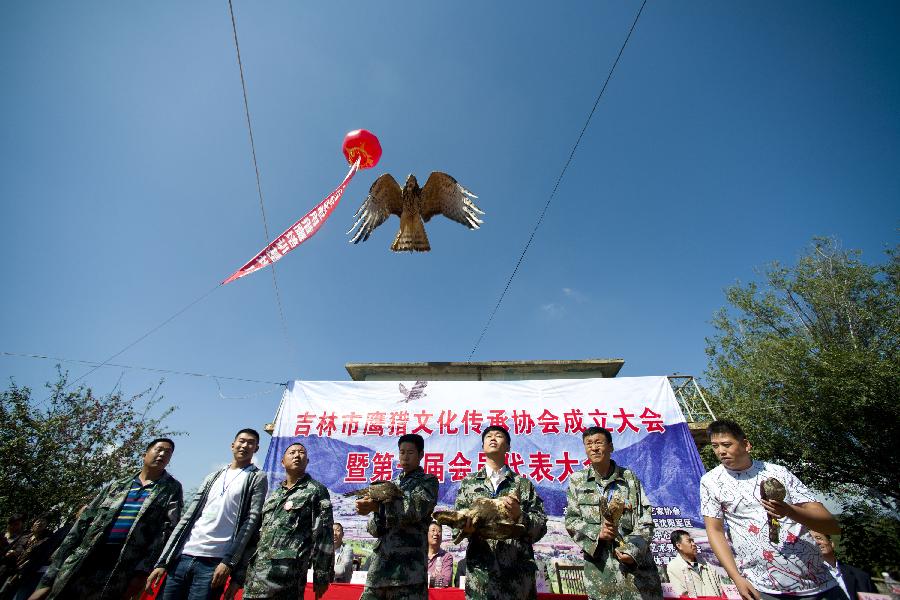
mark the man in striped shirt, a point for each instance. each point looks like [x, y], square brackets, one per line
[111, 547]
[130, 509]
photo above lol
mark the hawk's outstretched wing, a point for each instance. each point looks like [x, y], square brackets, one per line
[385, 199]
[443, 195]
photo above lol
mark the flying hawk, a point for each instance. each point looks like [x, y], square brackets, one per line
[442, 195]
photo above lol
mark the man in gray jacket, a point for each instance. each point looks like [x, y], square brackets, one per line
[215, 529]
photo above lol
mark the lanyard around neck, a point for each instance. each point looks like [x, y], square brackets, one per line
[225, 478]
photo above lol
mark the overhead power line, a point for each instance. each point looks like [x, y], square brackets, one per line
[140, 368]
[558, 181]
[262, 206]
[143, 337]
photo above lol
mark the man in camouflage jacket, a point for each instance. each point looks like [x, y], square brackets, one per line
[617, 560]
[497, 569]
[399, 567]
[85, 566]
[296, 534]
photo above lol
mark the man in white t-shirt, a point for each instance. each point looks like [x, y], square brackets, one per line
[213, 532]
[730, 494]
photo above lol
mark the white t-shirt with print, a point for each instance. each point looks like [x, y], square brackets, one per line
[792, 566]
[213, 529]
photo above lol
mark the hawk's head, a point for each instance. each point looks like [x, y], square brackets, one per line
[412, 184]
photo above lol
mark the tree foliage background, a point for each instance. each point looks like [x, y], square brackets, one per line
[809, 364]
[58, 453]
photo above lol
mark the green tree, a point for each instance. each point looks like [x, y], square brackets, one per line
[870, 540]
[809, 363]
[59, 452]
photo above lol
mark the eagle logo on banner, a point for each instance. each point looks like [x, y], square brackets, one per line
[417, 391]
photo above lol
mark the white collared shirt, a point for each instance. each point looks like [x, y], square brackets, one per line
[836, 573]
[495, 477]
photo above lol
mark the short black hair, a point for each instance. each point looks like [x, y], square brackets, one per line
[496, 428]
[288, 447]
[336, 524]
[15, 518]
[726, 427]
[248, 431]
[676, 536]
[158, 440]
[413, 438]
[595, 430]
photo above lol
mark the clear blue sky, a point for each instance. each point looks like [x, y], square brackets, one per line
[730, 135]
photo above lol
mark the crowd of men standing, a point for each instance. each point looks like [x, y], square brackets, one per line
[136, 534]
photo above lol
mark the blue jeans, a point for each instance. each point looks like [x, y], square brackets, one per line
[191, 578]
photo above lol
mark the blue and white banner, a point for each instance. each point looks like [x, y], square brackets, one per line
[350, 430]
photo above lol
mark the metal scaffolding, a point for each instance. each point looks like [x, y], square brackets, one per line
[691, 399]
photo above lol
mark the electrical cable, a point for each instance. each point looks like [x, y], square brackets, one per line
[139, 368]
[262, 206]
[143, 337]
[558, 181]
[265, 228]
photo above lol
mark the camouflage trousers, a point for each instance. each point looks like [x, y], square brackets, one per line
[511, 584]
[610, 580]
[418, 591]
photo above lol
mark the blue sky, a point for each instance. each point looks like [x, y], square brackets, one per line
[730, 135]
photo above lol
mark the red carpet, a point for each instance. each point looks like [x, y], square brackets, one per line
[352, 591]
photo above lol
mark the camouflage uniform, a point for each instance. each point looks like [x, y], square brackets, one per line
[82, 567]
[400, 562]
[296, 533]
[498, 569]
[604, 576]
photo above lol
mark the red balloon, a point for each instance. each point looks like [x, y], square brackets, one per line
[364, 145]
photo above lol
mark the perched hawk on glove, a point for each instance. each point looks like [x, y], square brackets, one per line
[442, 195]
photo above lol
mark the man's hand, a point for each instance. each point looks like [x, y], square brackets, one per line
[365, 506]
[153, 580]
[39, 594]
[136, 586]
[778, 509]
[512, 507]
[320, 589]
[625, 559]
[748, 592]
[468, 528]
[231, 591]
[220, 576]
[607, 532]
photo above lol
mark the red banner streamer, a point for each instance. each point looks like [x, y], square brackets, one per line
[297, 233]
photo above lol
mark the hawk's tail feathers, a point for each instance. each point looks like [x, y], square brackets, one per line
[411, 238]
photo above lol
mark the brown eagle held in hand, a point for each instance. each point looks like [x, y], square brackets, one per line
[442, 195]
